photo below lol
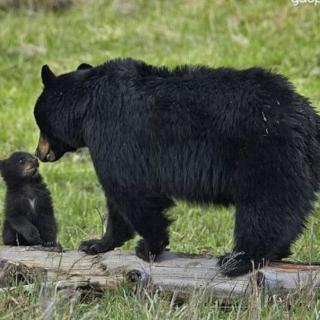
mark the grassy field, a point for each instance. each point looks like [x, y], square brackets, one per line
[272, 34]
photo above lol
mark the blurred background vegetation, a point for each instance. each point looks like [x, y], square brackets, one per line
[64, 33]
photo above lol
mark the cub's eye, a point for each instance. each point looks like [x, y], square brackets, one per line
[21, 161]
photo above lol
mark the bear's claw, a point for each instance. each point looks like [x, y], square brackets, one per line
[237, 263]
[94, 246]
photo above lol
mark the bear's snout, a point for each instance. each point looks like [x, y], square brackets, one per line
[43, 151]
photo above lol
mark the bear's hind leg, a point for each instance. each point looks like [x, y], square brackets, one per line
[9, 235]
[118, 231]
[283, 252]
[273, 196]
[262, 233]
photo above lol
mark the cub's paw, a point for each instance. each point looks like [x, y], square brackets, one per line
[94, 246]
[49, 243]
[33, 238]
[236, 264]
[52, 246]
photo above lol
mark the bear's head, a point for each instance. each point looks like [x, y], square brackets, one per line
[20, 165]
[59, 113]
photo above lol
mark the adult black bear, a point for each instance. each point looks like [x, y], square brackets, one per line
[194, 133]
[29, 218]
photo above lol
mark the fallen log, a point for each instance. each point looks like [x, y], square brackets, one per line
[177, 273]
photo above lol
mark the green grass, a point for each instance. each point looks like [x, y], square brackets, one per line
[272, 34]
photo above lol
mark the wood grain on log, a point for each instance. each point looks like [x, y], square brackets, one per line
[174, 272]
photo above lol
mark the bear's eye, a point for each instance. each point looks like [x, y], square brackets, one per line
[21, 161]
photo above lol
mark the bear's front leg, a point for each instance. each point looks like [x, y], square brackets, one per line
[118, 231]
[48, 229]
[149, 248]
[146, 213]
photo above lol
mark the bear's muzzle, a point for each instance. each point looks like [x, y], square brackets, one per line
[43, 151]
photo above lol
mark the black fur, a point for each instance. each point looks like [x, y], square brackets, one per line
[29, 218]
[204, 135]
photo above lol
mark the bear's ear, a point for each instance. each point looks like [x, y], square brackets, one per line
[47, 76]
[84, 66]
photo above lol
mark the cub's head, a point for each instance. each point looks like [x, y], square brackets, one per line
[59, 112]
[20, 165]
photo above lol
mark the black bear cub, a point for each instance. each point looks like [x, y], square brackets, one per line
[29, 218]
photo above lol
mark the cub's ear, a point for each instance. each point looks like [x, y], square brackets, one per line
[84, 66]
[48, 77]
